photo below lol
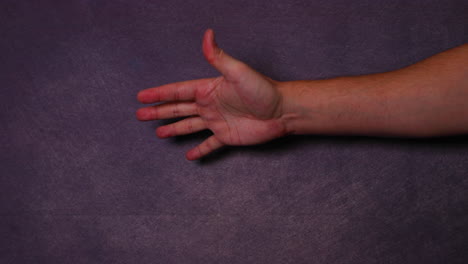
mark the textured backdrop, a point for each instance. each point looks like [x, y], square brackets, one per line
[82, 181]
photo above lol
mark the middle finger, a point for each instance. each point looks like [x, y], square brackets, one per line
[166, 111]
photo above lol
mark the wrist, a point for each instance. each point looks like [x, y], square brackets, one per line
[293, 112]
[332, 106]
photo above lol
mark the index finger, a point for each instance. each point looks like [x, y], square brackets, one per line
[179, 91]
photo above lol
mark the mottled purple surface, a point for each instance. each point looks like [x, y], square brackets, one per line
[82, 181]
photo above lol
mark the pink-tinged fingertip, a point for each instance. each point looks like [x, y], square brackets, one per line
[161, 132]
[145, 97]
[208, 46]
[141, 114]
[191, 155]
[140, 96]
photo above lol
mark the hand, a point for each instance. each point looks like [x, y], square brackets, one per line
[241, 107]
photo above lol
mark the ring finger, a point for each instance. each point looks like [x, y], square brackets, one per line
[183, 127]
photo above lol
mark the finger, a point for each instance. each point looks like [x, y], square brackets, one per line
[206, 147]
[179, 91]
[225, 64]
[167, 110]
[183, 127]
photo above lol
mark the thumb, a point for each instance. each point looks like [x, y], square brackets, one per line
[225, 64]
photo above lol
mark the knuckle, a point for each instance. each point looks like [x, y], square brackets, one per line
[175, 111]
[175, 129]
[200, 153]
[220, 53]
[190, 126]
[155, 113]
[208, 144]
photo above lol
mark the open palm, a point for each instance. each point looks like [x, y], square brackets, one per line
[241, 107]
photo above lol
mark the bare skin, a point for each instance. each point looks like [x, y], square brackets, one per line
[244, 107]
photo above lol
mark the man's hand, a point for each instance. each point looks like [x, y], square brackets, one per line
[241, 107]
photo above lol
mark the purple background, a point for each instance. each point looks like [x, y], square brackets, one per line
[82, 181]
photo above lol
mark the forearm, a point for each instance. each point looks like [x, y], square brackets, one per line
[429, 98]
